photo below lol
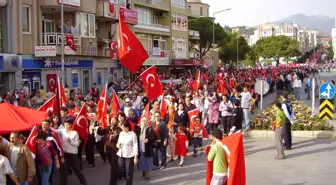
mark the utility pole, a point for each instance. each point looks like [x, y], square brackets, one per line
[62, 42]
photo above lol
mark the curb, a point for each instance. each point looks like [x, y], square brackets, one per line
[315, 134]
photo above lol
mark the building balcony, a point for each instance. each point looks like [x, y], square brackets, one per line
[157, 57]
[193, 13]
[105, 11]
[163, 5]
[180, 54]
[193, 34]
[153, 29]
[158, 53]
[54, 39]
[55, 5]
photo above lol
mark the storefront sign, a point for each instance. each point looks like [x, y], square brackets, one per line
[45, 51]
[91, 51]
[69, 51]
[190, 62]
[75, 3]
[130, 16]
[55, 63]
[156, 62]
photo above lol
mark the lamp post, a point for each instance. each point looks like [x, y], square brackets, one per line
[213, 26]
[62, 42]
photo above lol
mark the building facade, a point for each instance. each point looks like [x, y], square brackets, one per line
[31, 39]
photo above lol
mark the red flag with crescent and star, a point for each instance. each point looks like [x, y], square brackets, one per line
[163, 106]
[50, 105]
[221, 85]
[151, 83]
[234, 151]
[31, 142]
[192, 115]
[70, 41]
[197, 82]
[115, 105]
[102, 107]
[81, 125]
[132, 54]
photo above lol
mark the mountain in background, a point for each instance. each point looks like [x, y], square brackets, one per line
[317, 22]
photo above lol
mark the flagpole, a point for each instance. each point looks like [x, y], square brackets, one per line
[62, 41]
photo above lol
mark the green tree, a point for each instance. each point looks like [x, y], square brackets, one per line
[204, 26]
[276, 47]
[228, 51]
[331, 50]
[251, 57]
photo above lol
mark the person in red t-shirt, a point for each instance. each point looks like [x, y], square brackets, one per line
[181, 144]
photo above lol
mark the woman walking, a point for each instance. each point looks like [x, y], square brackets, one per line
[213, 115]
[128, 152]
[147, 138]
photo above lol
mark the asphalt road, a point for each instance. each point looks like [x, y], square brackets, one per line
[310, 162]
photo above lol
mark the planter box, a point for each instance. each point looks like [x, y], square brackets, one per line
[295, 134]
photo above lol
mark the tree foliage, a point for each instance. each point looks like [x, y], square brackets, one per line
[205, 28]
[276, 47]
[331, 50]
[228, 51]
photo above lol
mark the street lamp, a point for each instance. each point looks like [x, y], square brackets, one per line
[213, 26]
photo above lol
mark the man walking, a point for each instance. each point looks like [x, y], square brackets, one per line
[289, 112]
[246, 99]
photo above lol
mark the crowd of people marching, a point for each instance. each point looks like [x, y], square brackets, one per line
[130, 139]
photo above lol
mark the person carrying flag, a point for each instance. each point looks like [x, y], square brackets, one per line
[218, 156]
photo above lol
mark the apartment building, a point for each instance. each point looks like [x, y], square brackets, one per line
[163, 30]
[287, 29]
[32, 44]
[333, 37]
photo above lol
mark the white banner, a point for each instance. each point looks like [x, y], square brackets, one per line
[45, 51]
[70, 2]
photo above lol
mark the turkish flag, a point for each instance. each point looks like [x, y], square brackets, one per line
[146, 114]
[234, 150]
[31, 142]
[60, 94]
[151, 83]
[81, 125]
[115, 105]
[111, 7]
[197, 82]
[58, 142]
[221, 85]
[192, 115]
[209, 167]
[102, 107]
[132, 54]
[163, 107]
[50, 105]
[70, 41]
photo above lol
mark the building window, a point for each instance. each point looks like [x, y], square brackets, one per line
[86, 23]
[25, 19]
[179, 22]
[179, 3]
[146, 41]
[201, 11]
[179, 44]
[144, 16]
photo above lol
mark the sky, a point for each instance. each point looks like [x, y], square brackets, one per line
[255, 12]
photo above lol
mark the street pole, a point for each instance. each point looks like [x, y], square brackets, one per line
[213, 25]
[62, 42]
[313, 95]
[237, 48]
[262, 94]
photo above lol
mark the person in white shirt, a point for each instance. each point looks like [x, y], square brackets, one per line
[6, 169]
[70, 141]
[74, 29]
[128, 152]
[206, 104]
[297, 86]
[246, 98]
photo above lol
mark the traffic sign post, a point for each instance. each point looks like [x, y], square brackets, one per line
[327, 93]
[261, 87]
[326, 109]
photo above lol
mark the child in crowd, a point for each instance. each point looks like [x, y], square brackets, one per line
[198, 132]
[181, 144]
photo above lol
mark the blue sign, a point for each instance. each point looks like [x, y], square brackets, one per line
[75, 80]
[55, 63]
[327, 91]
[1, 62]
